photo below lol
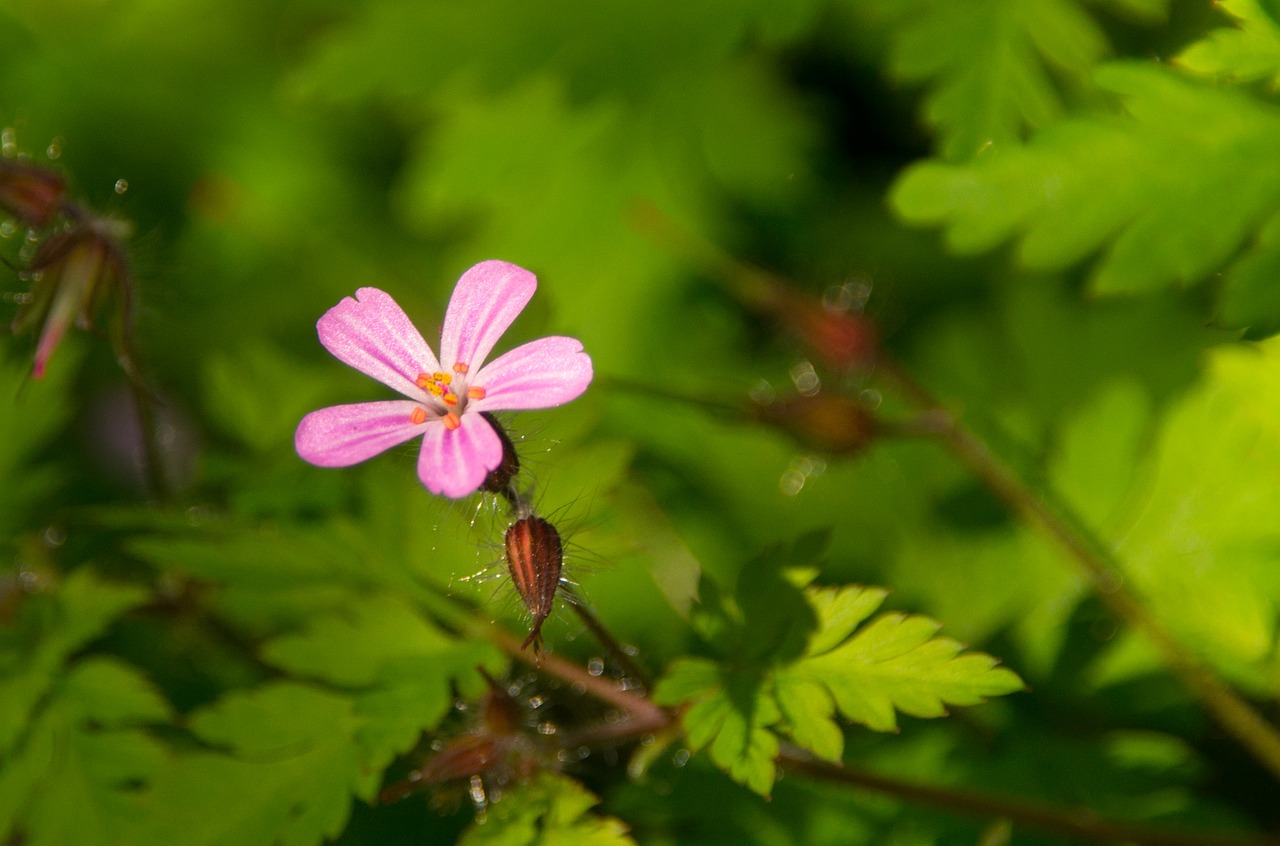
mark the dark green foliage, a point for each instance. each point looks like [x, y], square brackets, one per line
[1068, 214]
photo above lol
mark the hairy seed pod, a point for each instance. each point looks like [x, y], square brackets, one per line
[535, 557]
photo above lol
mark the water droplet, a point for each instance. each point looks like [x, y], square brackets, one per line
[680, 758]
[792, 482]
[762, 393]
[476, 789]
[7, 229]
[805, 378]
[54, 150]
[851, 295]
[536, 702]
[811, 465]
[801, 469]
[122, 185]
[54, 537]
[546, 727]
[29, 580]
[8, 142]
[595, 666]
[871, 398]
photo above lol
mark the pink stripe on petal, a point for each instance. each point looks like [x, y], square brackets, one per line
[342, 435]
[455, 462]
[540, 374]
[486, 300]
[373, 334]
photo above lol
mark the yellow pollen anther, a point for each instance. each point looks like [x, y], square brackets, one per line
[460, 367]
[423, 380]
[435, 389]
[475, 392]
[419, 416]
[442, 377]
[449, 399]
[451, 421]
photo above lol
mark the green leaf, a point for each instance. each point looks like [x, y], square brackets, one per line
[808, 712]
[290, 767]
[81, 609]
[733, 722]
[1144, 186]
[896, 663]
[406, 667]
[39, 409]
[550, 810]
[357, 648]
[1202, 545]
[1246, 52]
[893, 664]
[1251, 295]
[1151, 11]
[110, 693]
[989, 64]
[840, 611]
[731, 713]
[687, 679]
[78, 773]
[258, 395]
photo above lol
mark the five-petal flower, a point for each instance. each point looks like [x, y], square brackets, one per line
[459, 447]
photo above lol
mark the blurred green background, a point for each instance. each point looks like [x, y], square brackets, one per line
[275, 156]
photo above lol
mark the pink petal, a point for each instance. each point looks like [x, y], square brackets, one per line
[539, 374]
[455, 462]
[486, 300]
[343, 435]
[373, 334]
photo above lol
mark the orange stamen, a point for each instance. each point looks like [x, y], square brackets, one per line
[444, 378]
[450, 399]
[423, 380]
[451, 421]
[475, 392]
[419, 416]
[434, 388]
[460, 367]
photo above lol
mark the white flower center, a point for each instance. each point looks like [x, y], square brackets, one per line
[448, 395]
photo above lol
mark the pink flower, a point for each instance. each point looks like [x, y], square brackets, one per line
[459, 446]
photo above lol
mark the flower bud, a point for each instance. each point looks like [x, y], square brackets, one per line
[500, 478]
[845, 340]
[496, 751]
[535, 557]
[30, 193]
[71, 274]
[829, 423]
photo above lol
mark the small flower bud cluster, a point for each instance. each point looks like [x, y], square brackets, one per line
[494, 753]
[80, 261]
[842, 339]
